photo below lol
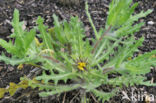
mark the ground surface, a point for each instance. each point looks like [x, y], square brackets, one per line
[31, 9]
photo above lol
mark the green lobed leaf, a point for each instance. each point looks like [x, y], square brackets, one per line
[47, 40]
[128, 51]
[142, 63]
[8, 46]
[103, 95]
[59, 89]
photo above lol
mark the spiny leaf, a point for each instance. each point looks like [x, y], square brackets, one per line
[8, 46]
[128, 29]
[59, 89]
[117, 15]
[29, 37]
[135, 17]
[103, 95]
[45, 36]
[58, 28]
[128, 51]
[55, 77]
[14, 61]
[23, 39]
[142, 63]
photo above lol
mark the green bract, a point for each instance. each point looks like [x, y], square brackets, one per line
[66, 56]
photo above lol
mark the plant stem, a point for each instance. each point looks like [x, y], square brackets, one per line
[91, 22]
[102, 36]
[32, 64]
[83, 96]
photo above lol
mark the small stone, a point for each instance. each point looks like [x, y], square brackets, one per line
[10, 68]
[150, 22]
[4, 30]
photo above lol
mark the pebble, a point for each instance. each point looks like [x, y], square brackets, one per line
[150, 22]
[4, 30]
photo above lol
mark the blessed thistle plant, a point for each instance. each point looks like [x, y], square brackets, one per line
[67, 57]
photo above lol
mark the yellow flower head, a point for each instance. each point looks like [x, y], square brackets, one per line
[81, 66]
